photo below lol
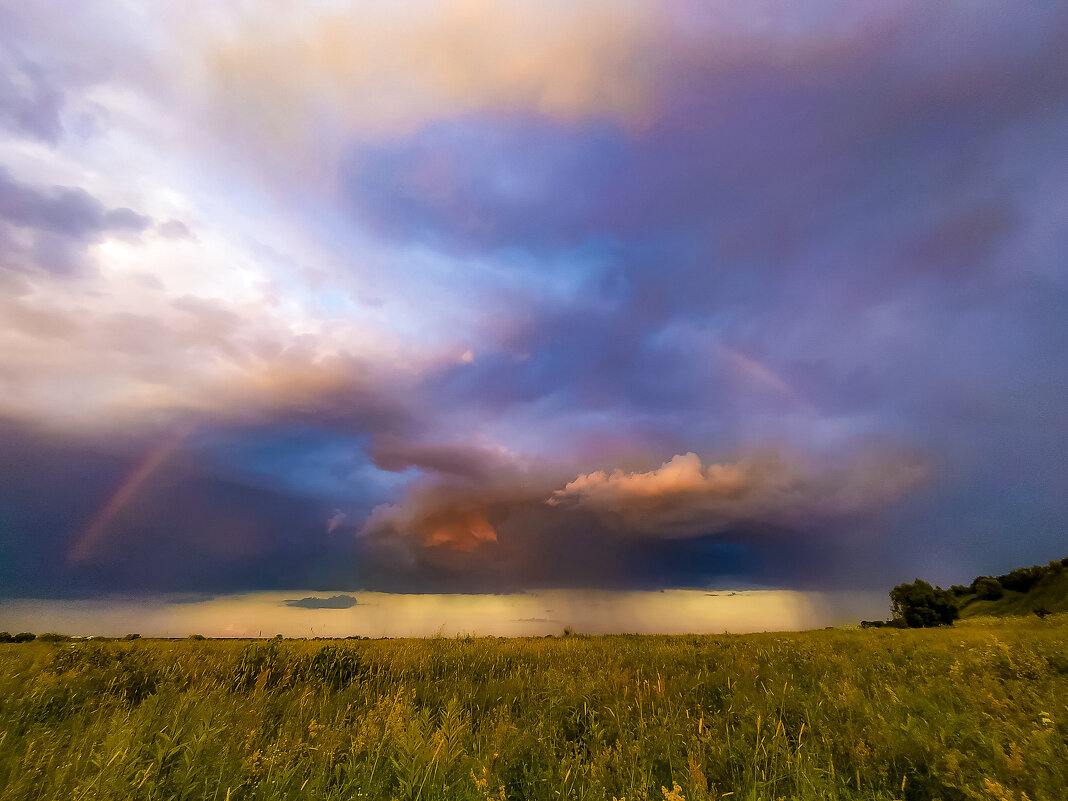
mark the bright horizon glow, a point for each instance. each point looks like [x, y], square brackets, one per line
[527, 614]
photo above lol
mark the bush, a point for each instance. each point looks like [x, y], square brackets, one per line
[24, 636]
[1022, 579]
[132, 637]
[988, 589]
[51, 636]
[5, 636]
[919, 605]
[196, 637]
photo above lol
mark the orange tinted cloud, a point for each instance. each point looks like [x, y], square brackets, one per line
[683, 497]
[682, 474]
[384, 68]
[460, 531]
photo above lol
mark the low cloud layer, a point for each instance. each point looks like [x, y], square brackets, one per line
[526, 526]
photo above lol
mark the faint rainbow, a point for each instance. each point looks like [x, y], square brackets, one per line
[84, 547]
[760, 373]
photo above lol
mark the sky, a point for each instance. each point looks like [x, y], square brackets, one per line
[466, 297]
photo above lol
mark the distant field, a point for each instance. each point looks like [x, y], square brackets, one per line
[977, 711]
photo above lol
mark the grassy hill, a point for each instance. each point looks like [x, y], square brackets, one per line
[1019, 592]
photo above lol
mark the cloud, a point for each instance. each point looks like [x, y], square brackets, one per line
[67, 211]
[336, 520]
[30, 103]
[461, 460]
[683, 523]
[442, 515]
[186, 527]
[380, 69]
[683, 497]
[333, 602]
[174, 229]
[663, 229]
[56, 225]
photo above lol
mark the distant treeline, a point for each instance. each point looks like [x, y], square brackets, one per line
[1039, 589]
[51, 636]
[22, 636]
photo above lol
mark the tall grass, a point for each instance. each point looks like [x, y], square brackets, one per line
[977, 711]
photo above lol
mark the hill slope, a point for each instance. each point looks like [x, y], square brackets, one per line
[1020, 592]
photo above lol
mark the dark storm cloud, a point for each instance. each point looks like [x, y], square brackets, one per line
[191, 526]
[182, 529]
[838, 241]
[536, 525]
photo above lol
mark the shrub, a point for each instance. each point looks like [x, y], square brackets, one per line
[988, 589]
[5, 636]
[196, 637]
[51, 636]
[24, 636]
[919, 605]
[132, 637]
[1022, 579]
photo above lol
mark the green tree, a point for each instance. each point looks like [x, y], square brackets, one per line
[988, 589]
[919, 605]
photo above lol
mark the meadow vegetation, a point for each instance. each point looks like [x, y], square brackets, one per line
[972, 711]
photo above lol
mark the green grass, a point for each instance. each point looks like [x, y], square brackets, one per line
[976, 711]
[1050, 593]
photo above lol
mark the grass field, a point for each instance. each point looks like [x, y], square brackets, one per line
[976, 711]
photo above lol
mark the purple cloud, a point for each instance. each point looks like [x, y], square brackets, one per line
[62, 221]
